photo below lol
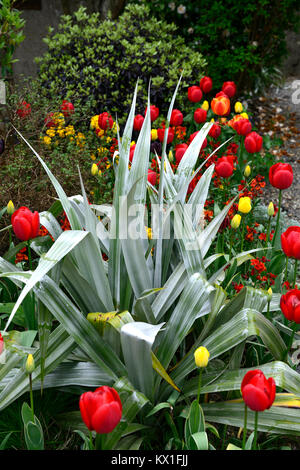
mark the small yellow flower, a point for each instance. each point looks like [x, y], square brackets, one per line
[238, 107]
[50, 132]
[221, 186]
[205, 105]
[271, 209]
[245, 115]
[94, 122]
[30, 366]
[247, 171]
[47, 140]
[244, 205]
[10, 208]
[108, 139]
[153, 134]
[201, 356]
[212, 120]
[93, 157]
[235, 221]
[94, 169]
[99, 172]
[108, 165]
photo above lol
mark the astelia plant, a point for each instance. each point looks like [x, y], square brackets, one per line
[118, 309]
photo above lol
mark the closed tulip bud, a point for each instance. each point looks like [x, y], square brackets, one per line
[101, 410]
[257, 391]
[235, 221]
[10, 208]
[30, 366]
[270, 293]
[245, 115]
[94, 169]
[201, 356]
[244, 205]
[238, 107]
[247, 171]
[271, 209]
[205, 105]
[154, 134]
[170, 156]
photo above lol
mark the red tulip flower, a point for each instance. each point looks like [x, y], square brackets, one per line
[224, 167]
[154, 113]
[195, 94]
[138, 122]
[290, 242]
[105, 120]
[67, 108]
[180, 150]
[215, 131]
[161, 135]
[176, 118]
[221, 93]
[242, 126]
[253, 142]
[25, 224]
[220, 105]
[206, 84]
[24, 109]
[49, 120]
[258, 392]
[281, 175]
[229, 88]
[101, 410]
[200, 115]
[152, 176]
[290, 305]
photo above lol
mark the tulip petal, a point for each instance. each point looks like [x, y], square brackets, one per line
[255, 398]
[106, 418]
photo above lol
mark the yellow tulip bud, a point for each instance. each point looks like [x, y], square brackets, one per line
[245, 115]
[171, 158]
[201, 356]
[244, 205]
[30, 366]
[247, 171]
[270, 292]
[235, 221]
[271, 209]
[238, 107]
[94, 169]
[153, 134]
[205, 105]
[10, 208]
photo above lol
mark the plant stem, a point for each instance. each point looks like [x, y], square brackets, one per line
[29, 255]
[91, 441]
[99, 442]
[286, 268]
[231, 240]
[31, 396]
[245, 427]
[199, 385]
[278, 217]
[9, 234]
[268, 233]
[291, 340]
[243, 231]
[295, 273]
[255, 430]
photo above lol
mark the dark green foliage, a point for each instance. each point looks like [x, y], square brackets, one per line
[242, 41]
[102, 61]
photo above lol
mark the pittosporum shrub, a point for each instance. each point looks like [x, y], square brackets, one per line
[102, 61]
[241, 40]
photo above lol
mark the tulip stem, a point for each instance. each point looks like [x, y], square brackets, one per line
[31, 396]
[286, 268]
[91, 441]
[295, 273]
[243, 232]
[278, 217]
[294, 326]
[255, 430]
[99, 441]
[245, 428]
[199, 384]
[268, 232]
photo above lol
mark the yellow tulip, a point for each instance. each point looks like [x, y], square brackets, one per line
[94, 169]
[270, 292]
[245, 115]
[154, 134]
[205, 105]
[271, 209]
[235, 221]
[201, 356]
[170, 156]
[238, 107]
[30, 366]
[247, 171]
[10, 208]
[244, 205]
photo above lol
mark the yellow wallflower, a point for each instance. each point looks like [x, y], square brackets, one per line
[94, 122]
[50, 132]
[47, 140]
[201, 356]
[93, 157]
[244, 205]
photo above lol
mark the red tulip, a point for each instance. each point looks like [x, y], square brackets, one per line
[161, 135]
[220, 105]
[105, 120]
[290, 242]
[154, 113]
[138, 122]
[194, 94]
[253, 142]
[1, 343]
[152, 176]
[24, 109]
[131, 152]
[281, 175]
[25, 223]
[206, 84]
[242, 126]
[200, 115]
[101, 410]
[290, 305]
[180, 150]
[258, 392]
[215, 131]
[221, 93]
[229, 88]
[67, 108]
[176, 118]
[224, 167]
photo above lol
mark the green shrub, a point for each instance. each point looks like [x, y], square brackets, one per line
[93, 58]
[11, 35]
[242, 41]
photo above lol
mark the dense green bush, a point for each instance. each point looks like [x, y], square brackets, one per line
[242, 41]
[103, 61]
